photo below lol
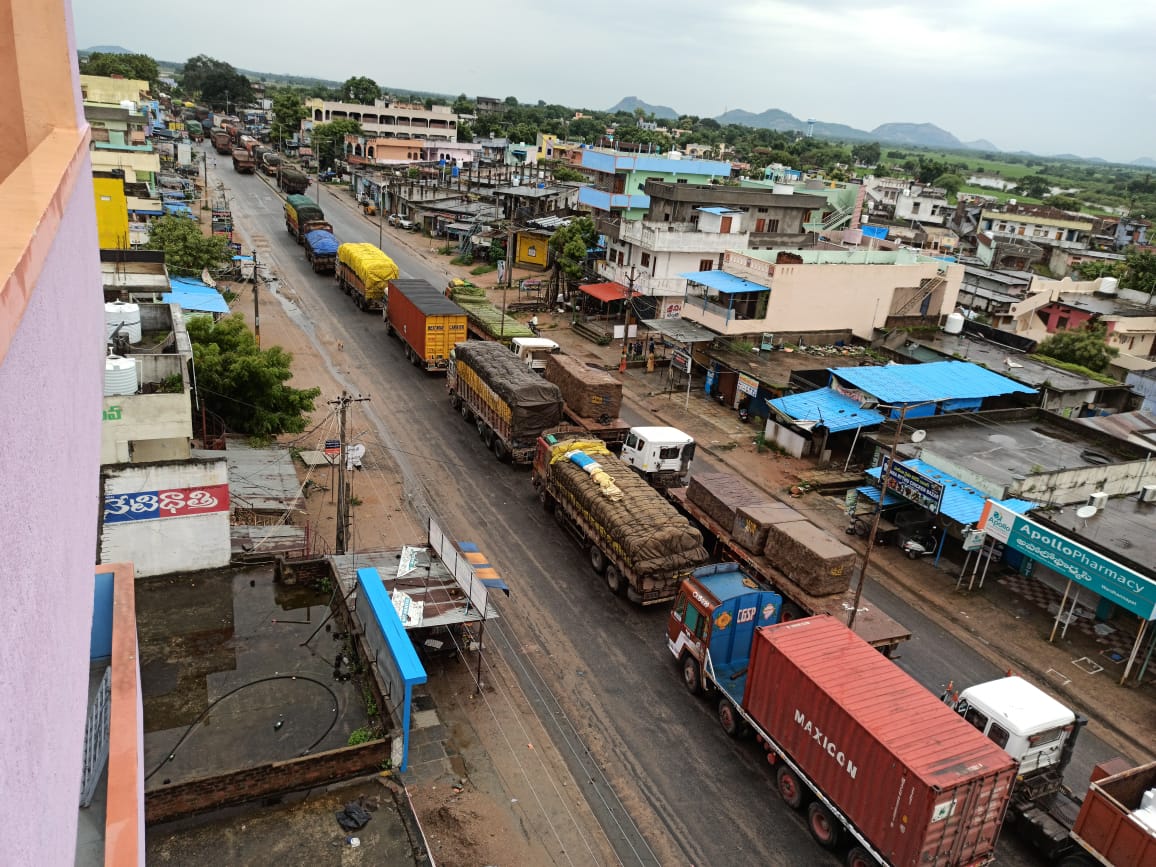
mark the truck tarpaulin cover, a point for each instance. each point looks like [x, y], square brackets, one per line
[534, 403]
[373, 268]
[922, 785]
[321, 242]
[589, 392]
[303, 209]
[653, 538]
[489, 318]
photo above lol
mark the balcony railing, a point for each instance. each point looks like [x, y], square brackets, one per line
[681, 238]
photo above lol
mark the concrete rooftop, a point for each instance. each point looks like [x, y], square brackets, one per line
[1125, 528]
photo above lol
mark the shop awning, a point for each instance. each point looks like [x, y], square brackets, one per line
[961, 502]
[724, 283]
[607, 292]
[681, 330]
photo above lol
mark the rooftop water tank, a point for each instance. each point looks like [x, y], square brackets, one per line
[954, 323]
[783, 190]
[121, 313]
[120, 376]
[1108, 286]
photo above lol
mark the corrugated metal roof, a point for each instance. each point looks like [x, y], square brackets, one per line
[961, 502]
[682, 330]
[933, 381]
[264, 480]
[827, 408]
[1135, 427]
[723, 282]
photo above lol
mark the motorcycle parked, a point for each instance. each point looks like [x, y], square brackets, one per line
[923, 545]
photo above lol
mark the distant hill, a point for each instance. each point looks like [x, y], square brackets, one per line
[980, 144]
[630, 103]
[104, 49]
[921, 134]
[1146, 162]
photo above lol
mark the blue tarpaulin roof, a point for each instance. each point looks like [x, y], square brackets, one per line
[198, 301]
[825, 407]
[321, 241]
[961, 502]
[935, 380]
[718, 211]
[723, 282]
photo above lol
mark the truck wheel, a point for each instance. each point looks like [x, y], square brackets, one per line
[467, 413]
[823, 826]
[548, 502]
[858, 857]
[597, 559]
[615, 581]
[455, 402]
[790, 789]
[501, 451]
[729, 718]
[691, 677]
[487, 435]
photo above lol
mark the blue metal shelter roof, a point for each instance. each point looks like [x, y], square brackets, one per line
[935, 380]
[202, 302]
[826, 407]
[723, 282]
[961, 502]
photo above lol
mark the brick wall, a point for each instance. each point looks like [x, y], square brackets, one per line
[263, 781]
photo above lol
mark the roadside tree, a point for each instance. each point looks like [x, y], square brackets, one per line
[138, 66]
[218, 83]
[328, 139]
[360, 90]
[188, 251]
[288, 112]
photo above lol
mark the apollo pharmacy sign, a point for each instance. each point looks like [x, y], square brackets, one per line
[1123, 586]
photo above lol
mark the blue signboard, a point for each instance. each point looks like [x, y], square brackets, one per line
[1116, 583]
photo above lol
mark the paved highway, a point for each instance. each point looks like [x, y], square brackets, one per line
[604, 682]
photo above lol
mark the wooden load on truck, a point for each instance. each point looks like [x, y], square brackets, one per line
[591, 398]
[302, 215]
[487, 322]
[292, 181]
[632, 536]
[242, 161]
[883, 773]
[364, 272]
[427, 323]
[321, 251]
[221, 142]
[510, 405]
[810, 567]
[270, 163]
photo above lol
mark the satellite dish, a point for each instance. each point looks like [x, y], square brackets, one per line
[918, 436]
[1086, 512]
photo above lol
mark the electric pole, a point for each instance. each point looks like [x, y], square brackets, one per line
[256, 302]
[626, 318]
[343, 487]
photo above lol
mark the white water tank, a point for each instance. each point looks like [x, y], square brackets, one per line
[782, 189]
[122, 313]
[120, 376]
[1108, 286]
[954, 323]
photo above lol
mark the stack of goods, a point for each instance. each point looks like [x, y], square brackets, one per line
[811, 557]
[753, 522]
[485, 315]
[588, 392]
[532, 404]
[721, 495]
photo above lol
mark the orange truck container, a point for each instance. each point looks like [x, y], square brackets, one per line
[1114, 824]
[427, 323]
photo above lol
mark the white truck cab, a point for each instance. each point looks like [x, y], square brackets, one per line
[660, 454]
[533, 351]
[1030, 725]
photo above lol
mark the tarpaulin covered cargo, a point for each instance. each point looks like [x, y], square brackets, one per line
[811, 557]
[303, 209]
[650, 535]
[752, 523]
[588, 391]
[371, 266]
[487, 318]
[530, 405]
[923, 786]
[322, 243]
[720, 495]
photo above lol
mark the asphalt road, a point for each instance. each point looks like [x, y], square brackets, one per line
[658, 770]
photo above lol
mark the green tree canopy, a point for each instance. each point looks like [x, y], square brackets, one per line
[288, 112]
[1092, 269]
[1033, 186]
[138, 66]
[1140, 272]
[218, 83]
[188, 250]
[866, 153]
[950, 182]
[1083, 346]
[464, 105]
[328, 139]
[570, 244]
[360, 89]
[244, 384]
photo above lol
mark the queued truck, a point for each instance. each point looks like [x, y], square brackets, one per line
[221, 142]
[195, 129]
[509, 405]
[321, 251]
[632, 537]
[242, 161]
[883, 774]
[303, 215]
[293, 182]
[487, 322]
[809, 567]
[363, 272]
[270, 163]
[427, 323]
[1115, 821]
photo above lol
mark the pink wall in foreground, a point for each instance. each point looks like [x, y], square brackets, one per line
[50, 411]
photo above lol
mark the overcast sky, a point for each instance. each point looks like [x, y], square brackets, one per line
[1051, 77]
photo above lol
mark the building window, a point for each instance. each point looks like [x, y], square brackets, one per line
[645, 260]
[772, 225]
[706, 264]
[915, 207]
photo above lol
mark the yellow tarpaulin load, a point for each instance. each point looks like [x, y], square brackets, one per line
[373, 268]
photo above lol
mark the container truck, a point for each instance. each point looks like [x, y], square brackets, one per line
[302, 215]
[591, 398]
[809, 567]
[510, 405]
[292, 181]
[321, 251]
[221, 142]
[427, 323]
[882, 773]
[487, 322]
[632, 537]
[1109, 825]
[364, 272]
[242, 161]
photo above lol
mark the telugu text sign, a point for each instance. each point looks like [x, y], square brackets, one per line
[174, 503]
[911, 484]
[1119, 584]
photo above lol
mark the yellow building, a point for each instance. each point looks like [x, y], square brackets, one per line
[111, 211]
[532, 250]
[112, 91]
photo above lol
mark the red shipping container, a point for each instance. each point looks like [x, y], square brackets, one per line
[918, 782]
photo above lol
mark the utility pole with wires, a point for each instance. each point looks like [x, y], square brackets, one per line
[343, 487]
[256, 301]
[626, 309]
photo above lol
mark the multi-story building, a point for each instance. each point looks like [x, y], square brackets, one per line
[844, 206]
[387, 119]
[801, 292]
[905, 200]
[51, 346]
[1037, 224]
[377, 150]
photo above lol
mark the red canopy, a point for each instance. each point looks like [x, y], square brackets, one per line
[606, 292]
